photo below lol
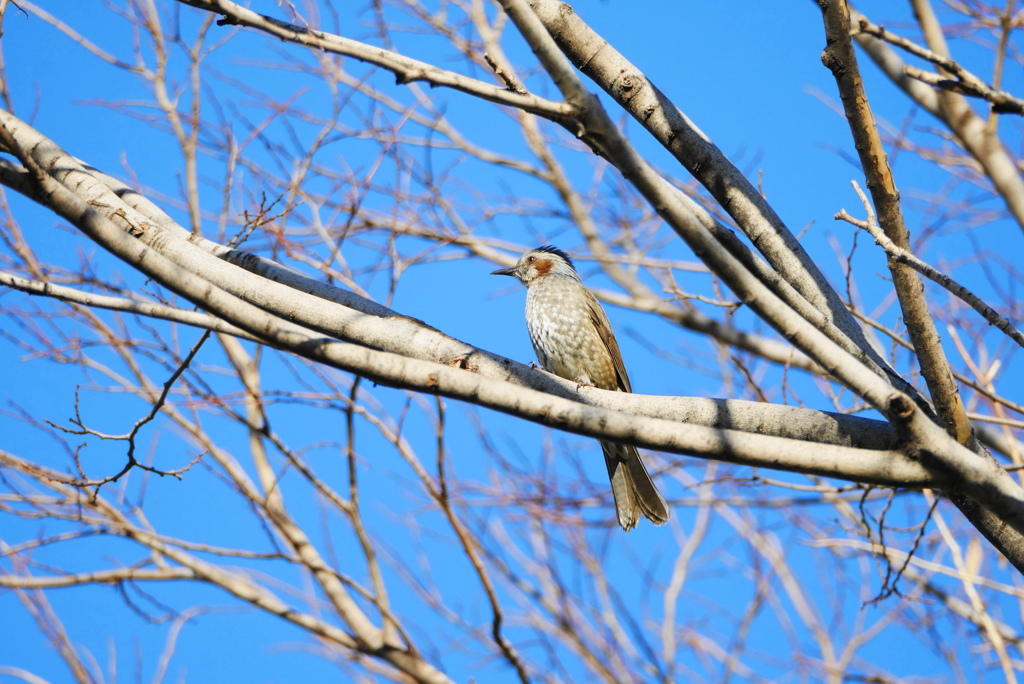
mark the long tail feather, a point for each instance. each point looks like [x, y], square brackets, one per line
[632, 487]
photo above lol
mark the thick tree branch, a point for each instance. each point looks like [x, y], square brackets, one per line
[841, 59]
[806, 425]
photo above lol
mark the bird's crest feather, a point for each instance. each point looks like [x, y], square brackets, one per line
[551, 249]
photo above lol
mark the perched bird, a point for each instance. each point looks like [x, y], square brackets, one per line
[573, 339]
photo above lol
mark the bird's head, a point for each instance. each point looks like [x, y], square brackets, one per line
[540, 263]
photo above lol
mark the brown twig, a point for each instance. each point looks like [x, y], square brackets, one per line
[840, 58]
[963, 81]
[930, 272]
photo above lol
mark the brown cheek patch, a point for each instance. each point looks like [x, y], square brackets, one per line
[543, 267]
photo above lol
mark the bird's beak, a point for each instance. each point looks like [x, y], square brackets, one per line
[505, 271]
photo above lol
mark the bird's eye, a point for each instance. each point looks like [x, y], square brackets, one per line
[531, 259]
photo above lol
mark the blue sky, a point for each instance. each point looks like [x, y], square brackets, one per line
[751, 78]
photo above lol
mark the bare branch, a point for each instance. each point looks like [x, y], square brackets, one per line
[930, 272]
[963, 81]
[406, 70]
[950, 108]
[840, 58]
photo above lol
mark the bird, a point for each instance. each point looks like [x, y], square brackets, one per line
[573, 339]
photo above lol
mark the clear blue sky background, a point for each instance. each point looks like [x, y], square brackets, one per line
[747, 73]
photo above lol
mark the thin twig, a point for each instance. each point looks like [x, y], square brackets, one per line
[895, 253]
[964, 83]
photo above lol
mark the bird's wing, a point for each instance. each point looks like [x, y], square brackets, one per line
[604, 328]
